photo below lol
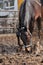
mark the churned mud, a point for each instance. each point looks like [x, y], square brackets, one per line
[9, 54]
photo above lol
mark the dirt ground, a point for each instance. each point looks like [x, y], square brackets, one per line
[9, 54]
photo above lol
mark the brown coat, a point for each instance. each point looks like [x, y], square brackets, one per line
[42, 11]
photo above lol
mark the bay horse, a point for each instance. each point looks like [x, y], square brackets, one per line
[27, 15]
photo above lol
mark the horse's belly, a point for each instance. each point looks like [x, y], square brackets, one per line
[37, 13]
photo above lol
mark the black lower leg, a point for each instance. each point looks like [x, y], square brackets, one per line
[31, 25]
[39, 25]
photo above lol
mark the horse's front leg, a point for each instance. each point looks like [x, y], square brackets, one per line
[18, 39]
[39, 25]
[29, 41]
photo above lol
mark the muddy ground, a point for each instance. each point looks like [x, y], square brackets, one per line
[9, 54]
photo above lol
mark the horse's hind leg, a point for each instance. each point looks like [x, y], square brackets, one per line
[39, 25]
[39, 28]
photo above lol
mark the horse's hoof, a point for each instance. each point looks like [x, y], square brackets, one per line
[27, 51]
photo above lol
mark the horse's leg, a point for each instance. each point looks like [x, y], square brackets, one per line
[29, 42]
[31, 25]
[39, 25]
[18, 39]
[39, 28]
[26, 41]
[31, 28]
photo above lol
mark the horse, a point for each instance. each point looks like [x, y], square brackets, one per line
[26, 24]
[41, 8]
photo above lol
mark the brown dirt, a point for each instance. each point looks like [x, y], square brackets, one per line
[10, 56]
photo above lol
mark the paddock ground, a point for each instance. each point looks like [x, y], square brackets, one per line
[10, 56]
